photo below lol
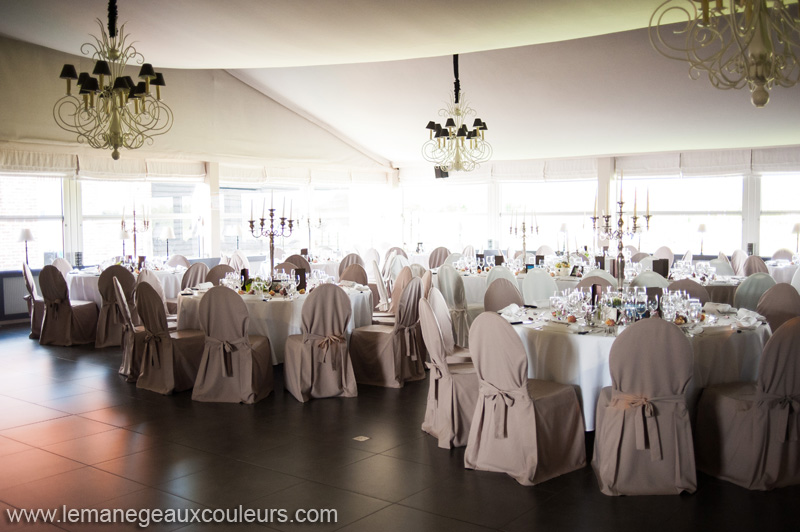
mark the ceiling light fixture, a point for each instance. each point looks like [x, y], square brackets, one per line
[736, 42]
[455, 147]
[110, 111]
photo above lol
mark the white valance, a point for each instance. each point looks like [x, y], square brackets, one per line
[715, 163]
[41, 164]
[560, 169]
[104, 167]
[184, 171]
[290, 175]
[518, 170]
[652, 164]
[776, 160]
[236, 176]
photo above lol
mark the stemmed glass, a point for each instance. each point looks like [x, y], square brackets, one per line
[641, 303]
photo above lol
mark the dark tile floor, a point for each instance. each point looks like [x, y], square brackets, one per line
[72, 432]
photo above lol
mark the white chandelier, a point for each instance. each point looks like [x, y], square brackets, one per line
[110, 111]
[734, 42]
[455, 147]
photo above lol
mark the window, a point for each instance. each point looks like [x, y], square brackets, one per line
[33, 203]
[679, 206]
[176, 205]
[448, 214]
[780, 212]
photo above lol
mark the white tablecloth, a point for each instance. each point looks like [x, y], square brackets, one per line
[278, 318]
[330, 268]
[782, 274]
[85, 285]
[475, 285]
[556, 355]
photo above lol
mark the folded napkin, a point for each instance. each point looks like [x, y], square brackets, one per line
[747, 323]
[205, 286]
[716, 308]
[352, 284]
[512, 312]
[744, 313]
[560, 326]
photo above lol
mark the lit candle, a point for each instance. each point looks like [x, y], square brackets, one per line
[620, 185]
[283, 211]
[290, 209]
[272, 200]
[251, 209]
[123, 214]
[648, 201]
[263, 207]
[595, 205]
[634, 202]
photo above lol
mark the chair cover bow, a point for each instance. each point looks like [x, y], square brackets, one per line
[502, 400]
[410, 335]
[436, 375]
[150, 347]
[325, 344]
[787, 428]
[646, 416]
[53, 305]
[227, 347]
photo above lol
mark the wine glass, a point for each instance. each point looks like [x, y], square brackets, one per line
[641, 303]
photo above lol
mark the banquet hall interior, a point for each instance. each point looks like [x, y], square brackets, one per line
[251, 259]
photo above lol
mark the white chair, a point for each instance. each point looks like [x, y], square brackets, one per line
[650, 280]
[646, 263]
[453, 353]
[500, 294]
[453, 258]
[688, 257]
[604, 274]
[418, 270]
[398, 263]
[383, 304]
[750, 291]
[665, 253]
[783, 254]
[438, 256]
[537, 287]
[469, 251]
[63, 266]
[632, 249]
[452, 287]
[738, 257]
[178, 260]
[545, 250]
[722, 267]
[796, 280]
[500, 272]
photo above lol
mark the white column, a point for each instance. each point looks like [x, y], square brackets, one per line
[493, 208]
[73, 237]
[751, 212]
[212, 178]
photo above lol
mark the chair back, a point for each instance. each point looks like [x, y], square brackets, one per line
[500, 294]
[105, 284]
[637, 257]
[301, 262]
[650, 279]
[688, 257]
[545, 250]
[370, 255]
[599, 272]
[356, 273]
[588, 281]
[396, 265]
[750, 291]
[443, 319]
[427, 281]
[30, 282]
[500, 272]
[665, 253]
[432, 336]
[286, 267]
[218, 272]
[397, 251]
[121, 299]
[452, 287]
[223, 314]
[408, 320]
[779, 367]
[796, 280]
[646, 263]
[417, 270]
[400, 284]
[352, 258]
[239, 261]
[151, 309]
[326, 313]
[722, 267]
[498, 354]
[693, 288]
[53, 285]
[62, 265]
[453, 258]
[178, 260]
[779, 304]
[149, 277]
[738, 257]
[754, 264]
[438, 256]
[632, 249]
[383, 294]
[469, 251]
[783, 254]
[538, 286]
[195, 275]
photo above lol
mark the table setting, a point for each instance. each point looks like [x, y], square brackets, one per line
[83, 284]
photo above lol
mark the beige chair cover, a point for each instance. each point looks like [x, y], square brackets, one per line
[650, 279]
[604, 274]
[385, 355]
[287, 267]
[437, 257]
[169, 360]
[538, 286]
[693, 288]
[150, 277]
[65, 322]
[63, 266]
[452, 287]
[783, 254]
[400, 284]
[35, 302]
[779, 304]
[109, 321]
[218, 272]
[355, 273]
[317, 363]
[383, 301]
[637, 257]
[453, 258]
[632, 249]
[239, 261]
[396, 265]
[530, 429]
[387, 264]
[796, 280]
[133, 337]
[737, 261]
[417, 270]
[750, 291]
[178, 260]
[749, 433]
[643, 443]
[427, 282]
[396, 251]
[500, 272]
[665, 253]
[545, 250]
[500, 294]
[453, 353]
[688, 256]
[754, 264]
[370, 255]
[236, 367]
[722, 267]
[452, 391]
[301, 263]
[352, 258]
[587, 283]
[469, 251]
[196, 274]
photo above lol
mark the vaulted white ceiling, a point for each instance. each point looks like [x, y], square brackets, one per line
[551, 78]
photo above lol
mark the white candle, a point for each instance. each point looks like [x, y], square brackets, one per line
[595, 205]
[290, 209]
[251, 209]
[634, 201]
[648, 201]
[283, 211]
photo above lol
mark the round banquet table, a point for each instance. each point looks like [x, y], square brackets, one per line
[84, 286]
[782, 273]
[556, 353]
[475, 285]
[277, 318]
